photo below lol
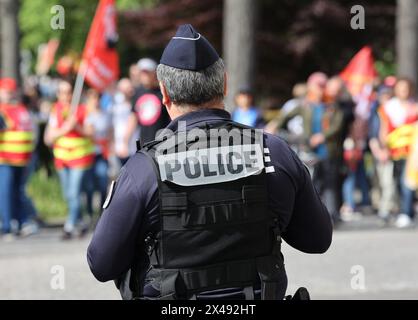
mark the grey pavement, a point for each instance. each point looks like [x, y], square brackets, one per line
[382, 260]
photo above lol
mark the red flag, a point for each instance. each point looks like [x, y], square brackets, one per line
[100, 57]
[359, 71]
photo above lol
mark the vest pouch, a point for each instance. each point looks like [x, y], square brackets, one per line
[163, 284]
[214, 215]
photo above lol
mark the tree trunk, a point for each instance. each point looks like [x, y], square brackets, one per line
[239, 45]
[9, 42]
[407, 38]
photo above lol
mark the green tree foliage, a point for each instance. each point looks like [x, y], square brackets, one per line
[35, 17]
[293, 38]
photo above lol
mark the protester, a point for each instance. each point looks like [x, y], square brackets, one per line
[16, 147]
[135, 76]
[322, 127]
[121, 111]
[97, 125]
[73, 151]
[355, 145]
[148, 111]
[397, 131]
[383, 162]
[411, 178]
[295, 125]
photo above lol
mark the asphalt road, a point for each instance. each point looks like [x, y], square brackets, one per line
[383, 262]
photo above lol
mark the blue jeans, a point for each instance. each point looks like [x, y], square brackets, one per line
[71, 180]
[354, 179]
[407, 195]
[96, 179]
[13, 195]
[28, 207]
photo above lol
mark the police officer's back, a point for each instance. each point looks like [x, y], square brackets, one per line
[201, 211]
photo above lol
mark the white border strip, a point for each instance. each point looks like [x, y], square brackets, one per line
[191, 39]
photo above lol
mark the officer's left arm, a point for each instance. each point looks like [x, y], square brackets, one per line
[113, 246]
[303, 218]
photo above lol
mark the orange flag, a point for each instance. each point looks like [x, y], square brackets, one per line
[359, 71]
[100, 57]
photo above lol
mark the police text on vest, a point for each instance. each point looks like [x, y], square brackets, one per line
[211, 165]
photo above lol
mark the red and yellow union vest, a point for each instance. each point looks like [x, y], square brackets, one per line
[73, 150]
[17, 138]
[400, 138]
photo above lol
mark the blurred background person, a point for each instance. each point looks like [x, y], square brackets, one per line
[411, 179]
[31, 99]
[338, 101]
[397, 131]
[148, 112]
[16, 147]
[382, 161]
[245, 112]
[325, 141]
[355, 146]
[135, 76]
[121, 112]
[322, 125]
[295, 125]
[73, 151]
[98, 126]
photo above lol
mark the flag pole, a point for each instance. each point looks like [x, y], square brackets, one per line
[78, 87]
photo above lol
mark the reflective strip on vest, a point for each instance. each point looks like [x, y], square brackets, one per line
[73, 152]
[16, 147]
[399, 141]
[17, 136]
[72, 142]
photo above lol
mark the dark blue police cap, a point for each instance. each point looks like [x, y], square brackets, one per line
[189, 50]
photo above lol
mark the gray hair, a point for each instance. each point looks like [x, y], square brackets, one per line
[193, 88]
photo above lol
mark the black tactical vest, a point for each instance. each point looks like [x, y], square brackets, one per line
[216, 231]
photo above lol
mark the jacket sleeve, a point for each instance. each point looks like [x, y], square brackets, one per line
[303, 218]
[283, 119]
[335, 125]
[112, 248]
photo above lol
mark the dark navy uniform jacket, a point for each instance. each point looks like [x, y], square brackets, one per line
[303, 219]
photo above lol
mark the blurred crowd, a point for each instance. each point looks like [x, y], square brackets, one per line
[356, 140]
[360, 143]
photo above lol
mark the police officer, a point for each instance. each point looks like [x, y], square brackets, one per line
[201, 211]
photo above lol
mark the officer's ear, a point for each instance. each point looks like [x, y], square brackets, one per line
[166, 99]
[225, 84]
